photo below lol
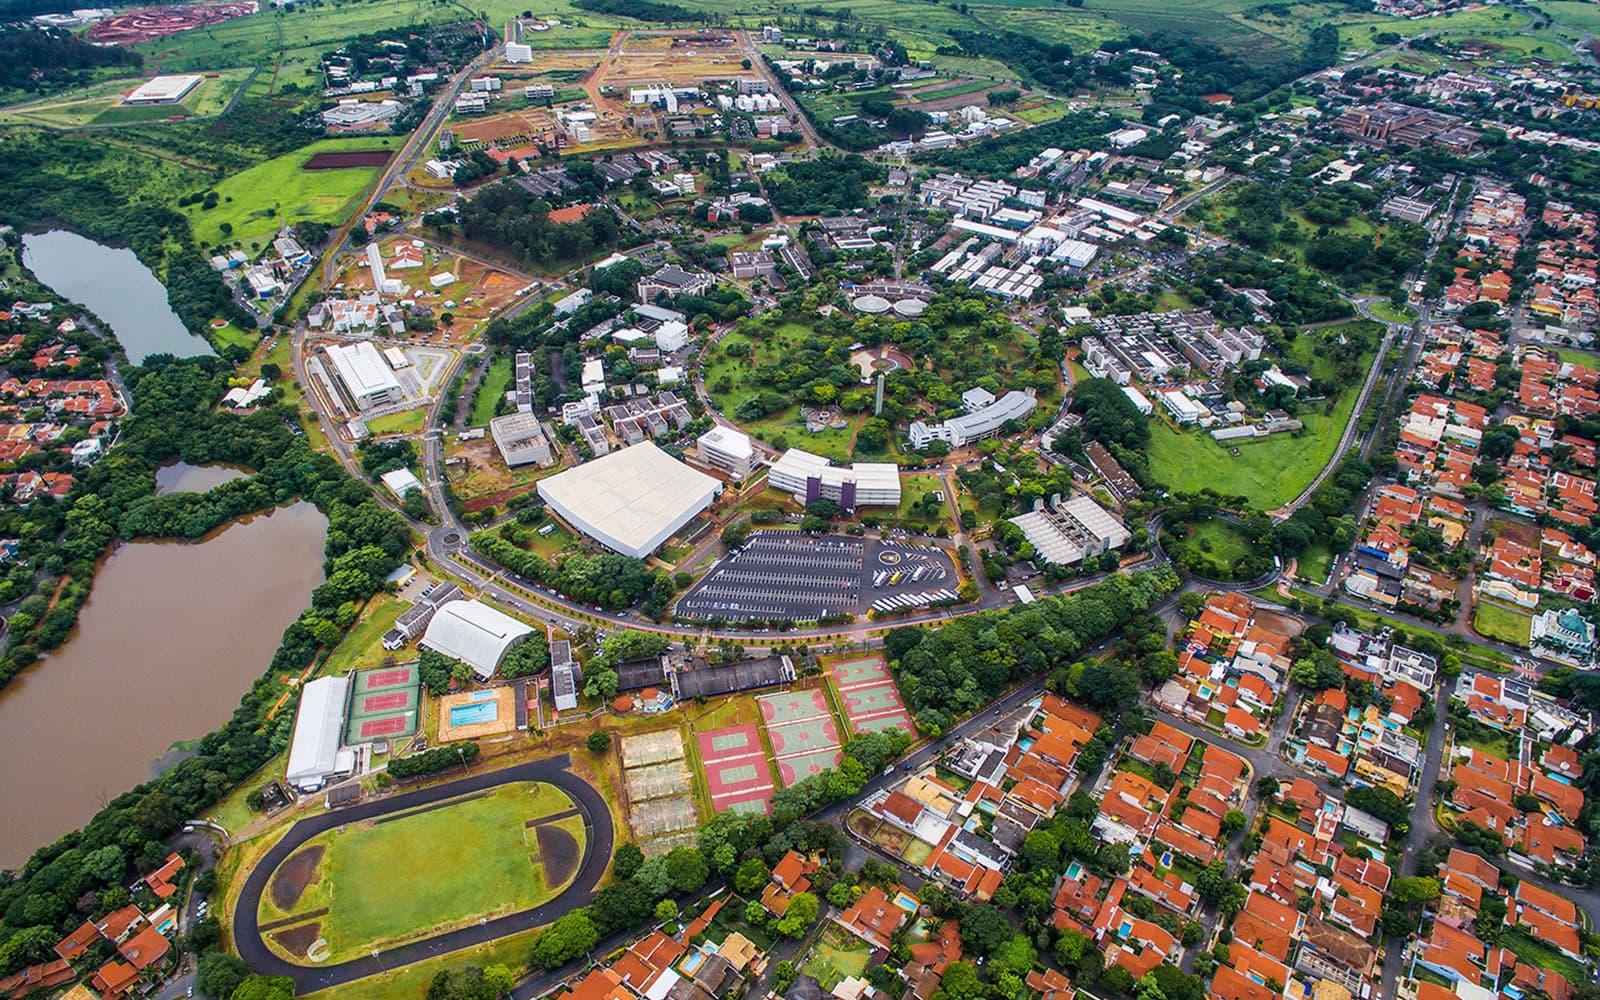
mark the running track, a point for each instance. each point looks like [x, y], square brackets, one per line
[596, 856]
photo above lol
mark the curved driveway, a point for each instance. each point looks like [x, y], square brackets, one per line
[596, 856]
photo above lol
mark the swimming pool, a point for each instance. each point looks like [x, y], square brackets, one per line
[695, 957]
[906, 903]
[475, 713]
[481, 696]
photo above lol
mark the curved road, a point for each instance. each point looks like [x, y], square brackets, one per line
[596, 857]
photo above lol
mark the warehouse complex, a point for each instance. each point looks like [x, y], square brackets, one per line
[474, 633]
[811, 477]
[631, 500]
[1067, 533]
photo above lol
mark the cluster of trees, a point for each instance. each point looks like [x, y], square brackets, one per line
[1110, 418]
[174, 419]
[437, 670]
[531, 655]
[472, 983]
[600, 675]
[38, 59]
[1041, 63]
[828, 184]
[611, 581]
[644, 10]
[949, 672]
[509, 215]
[433, 761]
[1298, 297]
[1327, 518]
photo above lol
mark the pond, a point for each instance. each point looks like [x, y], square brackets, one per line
[172, 636]
[181, 477]
[116, 287]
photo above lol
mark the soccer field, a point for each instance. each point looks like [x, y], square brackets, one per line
[379, 883]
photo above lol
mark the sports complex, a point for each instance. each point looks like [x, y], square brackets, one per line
[804, 735]
[870, 699]
[736, 768]
[349, 893]
[383, 704]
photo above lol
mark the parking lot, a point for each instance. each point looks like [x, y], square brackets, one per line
[779, 575]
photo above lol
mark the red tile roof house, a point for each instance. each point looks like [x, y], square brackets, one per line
[160, 880]
[873, 918]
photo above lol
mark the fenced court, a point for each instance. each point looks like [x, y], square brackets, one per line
[661, 805]
[736, 768]
[384, 704]
[805, 738]
[870, 699]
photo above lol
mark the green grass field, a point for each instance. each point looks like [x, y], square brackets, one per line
[1497, 621]
[1221, 546]
[1389, 314]
[1316, 563]
[427, 871]
[256, 200]
[1270, 471]
[405, 422]
[362, 646]
[490, 391]
[835, 957]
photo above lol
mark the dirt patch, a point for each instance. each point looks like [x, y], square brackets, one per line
[351, 158]
[298, 940]
[558, 850]
[289, 882]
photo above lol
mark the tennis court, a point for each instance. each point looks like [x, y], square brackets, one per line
[792, 706]
[794, 769]
[736, 768]
[385, 704]
[803, 736]
[652, 748]
[658, 781]
[871, 701]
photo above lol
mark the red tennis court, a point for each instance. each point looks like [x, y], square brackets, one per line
[736, 768]
[385, 702]
[387, 726]
[388, 678]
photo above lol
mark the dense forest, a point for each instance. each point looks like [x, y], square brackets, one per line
[644, 10]
[509, 215]
[41, 60]
[78, 875]
[612, 581]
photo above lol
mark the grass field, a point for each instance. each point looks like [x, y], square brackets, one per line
[405, 422]
[254, 201]
[1572, 355]
[362, 646]
[1221, 546]
[1498, 621]
[421, 873]
[1316, 563]
[490, 391]
[834, 957]
[1270, 472]
[1389, 314]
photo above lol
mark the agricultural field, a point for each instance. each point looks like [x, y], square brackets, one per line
[253, 203]
[1511, 31]
[342, 894]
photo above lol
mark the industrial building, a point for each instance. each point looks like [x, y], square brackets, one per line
[363, 377]
[811, 477]
[163, 90]
[976, 424]
[521, 439]
[1066, 533]
[315, 753]
[727, 449]
[631, 500]
[474, 633]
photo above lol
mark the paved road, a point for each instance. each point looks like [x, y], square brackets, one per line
[596, 858]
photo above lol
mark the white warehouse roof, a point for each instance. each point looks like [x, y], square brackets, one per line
[362, 369]
[314, 751]
[631, 500]
[473, 633]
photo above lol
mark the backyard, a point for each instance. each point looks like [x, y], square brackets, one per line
[835, 956]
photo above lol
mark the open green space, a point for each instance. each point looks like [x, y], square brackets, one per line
[362, 646]
[1387, 312]
[1510, 31]
[1497, 621]
[491, 390]
[423, 872]
[834, 957]
[954, 90]
[1541, 955]
[1573, 355]
[1316, 563]
[101, 103]
[1269, 471]
[255, 202]
[405, 422]
[1213, 548]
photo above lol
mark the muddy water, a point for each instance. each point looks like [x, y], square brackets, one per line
[169, 640]
[181, 477]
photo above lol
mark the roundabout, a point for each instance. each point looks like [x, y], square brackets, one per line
[541, 840]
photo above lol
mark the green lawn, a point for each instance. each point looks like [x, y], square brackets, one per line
[834, 957]
[1389, 314]
[405, 422]
[426, 871]
[490, 391]
[1538, 953]
[1572, 355]
[1220, 544]
[254, 201]
[1316, 563]
[362, 646]
[1497, 621]
[1269, 471]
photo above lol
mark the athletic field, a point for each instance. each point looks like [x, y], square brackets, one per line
[736, 768]
[805, 738]
[382, 882]
[871, 701]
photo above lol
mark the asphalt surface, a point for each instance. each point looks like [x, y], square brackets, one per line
[596, 857]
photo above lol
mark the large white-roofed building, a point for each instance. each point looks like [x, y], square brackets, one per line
[727, 449]
[521, 439]
[315, 754]
[974, 425]
[811, 477]
[474, 633]
[631, 500]
[163, 90]
[1067, 533]
[365, 378]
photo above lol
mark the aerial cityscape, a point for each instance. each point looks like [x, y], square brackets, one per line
[892, 500]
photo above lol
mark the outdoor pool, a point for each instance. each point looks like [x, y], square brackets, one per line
[474, 714]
